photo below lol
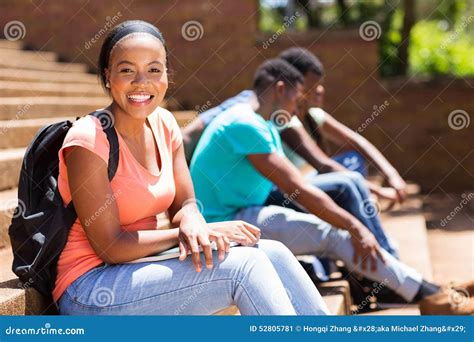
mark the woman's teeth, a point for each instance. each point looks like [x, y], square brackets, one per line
[139, 98]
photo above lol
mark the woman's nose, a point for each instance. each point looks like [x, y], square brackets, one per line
[140, 78]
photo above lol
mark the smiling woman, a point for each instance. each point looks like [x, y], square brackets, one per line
[152, 177]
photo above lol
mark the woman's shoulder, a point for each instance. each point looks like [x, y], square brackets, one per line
[162, 114]
[87, 130]
[163, 117]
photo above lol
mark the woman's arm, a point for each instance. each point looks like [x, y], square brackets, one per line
[90, 189]
[184, 212]
[343, 135]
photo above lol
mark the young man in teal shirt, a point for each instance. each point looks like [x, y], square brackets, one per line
[238, 159]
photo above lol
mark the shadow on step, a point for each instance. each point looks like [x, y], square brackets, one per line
[34, 302]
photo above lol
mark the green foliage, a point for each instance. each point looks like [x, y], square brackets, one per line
[435, 50]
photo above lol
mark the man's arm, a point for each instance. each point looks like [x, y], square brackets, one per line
[288, 179]
[191, 135]
[343, 135]
[302, 143]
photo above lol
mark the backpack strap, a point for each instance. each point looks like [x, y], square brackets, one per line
[107, 121]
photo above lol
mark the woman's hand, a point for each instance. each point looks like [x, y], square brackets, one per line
[195, 232]
[366, 247]
[238, 231]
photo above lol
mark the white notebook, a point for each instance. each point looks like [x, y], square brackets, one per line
[172, 254]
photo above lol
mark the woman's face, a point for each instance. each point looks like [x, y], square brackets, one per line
[137, 75]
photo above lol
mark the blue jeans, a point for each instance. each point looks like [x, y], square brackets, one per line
[349, 191]
[305, 233]
[261, 280]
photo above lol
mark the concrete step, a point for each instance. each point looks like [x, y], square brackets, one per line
[405, 310]
[12, 74]
[21, 63]
[452, 255]
[34, 89]
[450, 221]
[8, 44]
[10, 165]
[42, 107]
[27, 55]
[8, 202]
[19, 133]
[408, 228]
[332, 291]
[17, 298]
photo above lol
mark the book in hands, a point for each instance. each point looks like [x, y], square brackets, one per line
[172, 253]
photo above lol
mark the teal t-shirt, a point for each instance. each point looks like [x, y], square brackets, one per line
[224, 179]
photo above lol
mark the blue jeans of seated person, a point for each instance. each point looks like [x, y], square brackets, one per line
[352, 160]
[305, 233]
[262, 280]
[349, 191]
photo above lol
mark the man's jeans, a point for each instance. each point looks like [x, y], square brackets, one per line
[305, 233]
[349, 191]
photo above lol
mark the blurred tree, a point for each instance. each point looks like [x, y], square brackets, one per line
[408, 22]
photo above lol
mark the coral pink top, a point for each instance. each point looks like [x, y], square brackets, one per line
[139, 194]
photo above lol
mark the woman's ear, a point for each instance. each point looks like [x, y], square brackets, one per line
[107, 75]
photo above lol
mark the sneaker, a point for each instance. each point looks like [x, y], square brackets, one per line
[451, 300]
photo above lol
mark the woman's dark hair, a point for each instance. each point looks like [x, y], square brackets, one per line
[116, 34]
[303, 60]
[274, 70]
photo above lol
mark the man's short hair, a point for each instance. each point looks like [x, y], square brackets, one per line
[273, 70]
[303, 60]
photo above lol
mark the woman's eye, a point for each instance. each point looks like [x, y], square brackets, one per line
[126, 70]
[155, 70]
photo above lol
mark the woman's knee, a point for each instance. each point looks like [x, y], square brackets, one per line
[274, 250]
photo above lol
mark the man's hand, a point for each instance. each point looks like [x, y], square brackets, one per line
[366, 248]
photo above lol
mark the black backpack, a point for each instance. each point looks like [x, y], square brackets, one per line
[41, 223]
